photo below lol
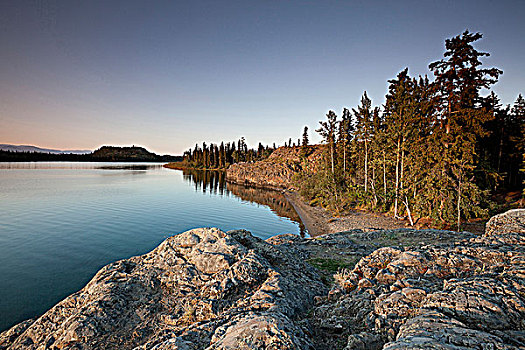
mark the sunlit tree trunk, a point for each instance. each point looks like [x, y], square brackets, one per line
[459, 199]
[332, 156]
[344, 158]
[366, 166]
[396, 194]
[409, 213]
[384, 173]
[402, 171]
[373, 183]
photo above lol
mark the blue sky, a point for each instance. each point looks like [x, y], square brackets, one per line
[167, 74]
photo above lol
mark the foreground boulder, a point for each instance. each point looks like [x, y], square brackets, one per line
[201, 289]
[206, 289]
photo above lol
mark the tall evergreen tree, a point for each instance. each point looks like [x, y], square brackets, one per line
[304, 145]
[328, 131]
[518, 140]
[345, 136]
[400, 112]
[363, 117]
[460, 80]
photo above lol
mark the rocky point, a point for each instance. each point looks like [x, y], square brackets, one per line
[277, 171]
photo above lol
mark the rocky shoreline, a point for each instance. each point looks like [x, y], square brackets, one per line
[277, 172]
[319, 221]
[387, 289]
[462, 294]
[200, 289]
[243, 178]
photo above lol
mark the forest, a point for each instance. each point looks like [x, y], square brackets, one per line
[436, 149]
[222, 156]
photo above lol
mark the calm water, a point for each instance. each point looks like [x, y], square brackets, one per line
[61, 222]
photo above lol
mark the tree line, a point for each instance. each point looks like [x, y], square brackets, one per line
[222, 156]
[435, 149]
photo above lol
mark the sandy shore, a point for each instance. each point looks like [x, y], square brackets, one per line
[318, 221]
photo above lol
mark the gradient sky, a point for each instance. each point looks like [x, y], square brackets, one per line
[166, 74]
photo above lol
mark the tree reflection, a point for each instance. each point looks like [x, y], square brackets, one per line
[214, 182]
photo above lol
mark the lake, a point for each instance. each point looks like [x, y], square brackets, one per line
[60, 222]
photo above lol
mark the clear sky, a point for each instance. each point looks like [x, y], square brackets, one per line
[166, 74]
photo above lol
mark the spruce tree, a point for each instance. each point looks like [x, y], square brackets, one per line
[518, 140]
[363, 116]
[222, 156]
[377, 154]
[345, 136]
[328, 131]
[304, 146]
[460, 80]
[400, 112]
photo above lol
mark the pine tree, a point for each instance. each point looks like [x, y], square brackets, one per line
[304, 146]
[222, 155]
[496, 148]
[328, 131]
[460, 80]
[260, 151]
[377, 153]
[518, 140]
[345, 136]
[363, 116]
[400, 111]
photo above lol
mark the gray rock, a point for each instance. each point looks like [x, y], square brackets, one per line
[201, 289]
[462, 295]
[512, 221]
[207, 289]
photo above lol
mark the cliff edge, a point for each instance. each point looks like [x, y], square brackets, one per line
[277, 170]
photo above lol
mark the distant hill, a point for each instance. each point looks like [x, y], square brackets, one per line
[27, 148]
[103, 154]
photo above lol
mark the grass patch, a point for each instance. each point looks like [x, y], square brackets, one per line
[331, 265]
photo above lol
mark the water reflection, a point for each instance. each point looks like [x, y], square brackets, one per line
[60, 222]
[214, 182]
[136, 167]
[79, 165]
